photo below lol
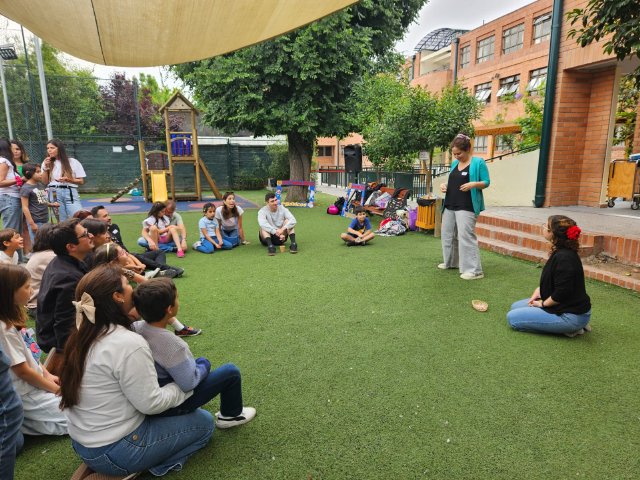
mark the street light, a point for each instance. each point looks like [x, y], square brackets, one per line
[7, 52]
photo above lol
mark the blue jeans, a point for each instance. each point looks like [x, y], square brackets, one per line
[11, 439]
[159, 444]
[225, 381]
[524, 318]
[207, 247]
[69, 201]
[32, 234]
[165, 247]
[231, 236]
[11, 212]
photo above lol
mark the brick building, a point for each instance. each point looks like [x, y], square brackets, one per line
[507, 58]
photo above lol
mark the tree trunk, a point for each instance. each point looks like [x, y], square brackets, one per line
[300, 153]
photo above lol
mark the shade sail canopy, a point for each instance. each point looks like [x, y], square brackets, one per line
[145, 33]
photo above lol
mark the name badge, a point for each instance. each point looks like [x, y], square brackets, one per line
[464, 174]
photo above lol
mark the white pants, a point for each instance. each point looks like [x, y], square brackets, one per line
[42, 414]
[459, 242]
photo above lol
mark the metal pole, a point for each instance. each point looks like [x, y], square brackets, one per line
[43, 87]
[137, 107]
[32, 90]
[6, 99]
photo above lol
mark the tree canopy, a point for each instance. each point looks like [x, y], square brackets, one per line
[300, 84]
[616, 21]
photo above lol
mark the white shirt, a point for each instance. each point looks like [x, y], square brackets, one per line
[228, 223]
[56, 172]
[119, 387]
[36, 265]
[15, 348]
[13, 190]
[4, 258]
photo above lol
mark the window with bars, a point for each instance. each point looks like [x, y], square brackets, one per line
[513, 39]
[508, 85]
[483, 92]
[480, 144]
[536, 78]
[485, 49]
[465, 56]
[542, 28]
[324, 151]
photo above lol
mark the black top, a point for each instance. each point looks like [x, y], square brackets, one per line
[455, 199]
[563, 280]
[56, 315]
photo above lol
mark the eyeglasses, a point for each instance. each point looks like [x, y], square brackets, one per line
[85, 234]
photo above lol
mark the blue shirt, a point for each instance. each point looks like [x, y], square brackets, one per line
[209, 225]
[360, 227]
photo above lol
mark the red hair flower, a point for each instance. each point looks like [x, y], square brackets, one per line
[573, 232]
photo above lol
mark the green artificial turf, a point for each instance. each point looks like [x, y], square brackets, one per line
[368, 362]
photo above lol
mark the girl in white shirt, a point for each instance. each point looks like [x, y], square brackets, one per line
[229, 216]
[63, 175]
[35, 385]
[110, 391]
[10, 183]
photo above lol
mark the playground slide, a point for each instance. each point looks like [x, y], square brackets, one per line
[159, 187]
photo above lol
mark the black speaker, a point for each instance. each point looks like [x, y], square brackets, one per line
[353, 158]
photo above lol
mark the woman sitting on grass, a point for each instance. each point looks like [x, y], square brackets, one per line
[110, 389]
[229, 216]
[560, 304]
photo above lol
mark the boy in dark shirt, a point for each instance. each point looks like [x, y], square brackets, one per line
[359, 231]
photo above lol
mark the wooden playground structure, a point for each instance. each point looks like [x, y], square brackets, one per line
[157, 165]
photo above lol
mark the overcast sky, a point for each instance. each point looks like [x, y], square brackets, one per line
[462, 14]
[456, 14]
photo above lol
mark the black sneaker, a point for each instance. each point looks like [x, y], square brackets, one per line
[179, 271]
[350, 243]
[293, 248]
[188, 332]
[168, 273]
[271, 250]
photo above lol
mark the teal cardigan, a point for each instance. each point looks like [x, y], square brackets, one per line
[478, 172]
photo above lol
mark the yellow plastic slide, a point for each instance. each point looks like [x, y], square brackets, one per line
[159, 187]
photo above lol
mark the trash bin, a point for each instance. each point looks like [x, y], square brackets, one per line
[426, 213]
[624, 182]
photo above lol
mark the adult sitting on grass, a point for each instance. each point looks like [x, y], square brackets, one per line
[560, 304]
[110, 390]
[229, 216]
[276, 225]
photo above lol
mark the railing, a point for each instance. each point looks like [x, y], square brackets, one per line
[416, 180]
[525, 149]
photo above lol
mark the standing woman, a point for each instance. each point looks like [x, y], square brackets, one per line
[20, 158]
[10, 183]
[63, 175]
[463, 203]
[110, 391]
[229, 216]
[560, 304]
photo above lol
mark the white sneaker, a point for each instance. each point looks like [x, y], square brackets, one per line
[197, 244]
[472, 276]
[443, 266]
[151, 273]
[247, 414]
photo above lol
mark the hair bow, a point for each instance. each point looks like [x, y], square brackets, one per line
[573, 232]
[85, 306]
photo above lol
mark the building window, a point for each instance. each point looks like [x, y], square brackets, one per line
[324, 151]
[542, 28]
[465, 56]
[485, 49]
[480, 144]
[620, 133]
[483, 92]
[505, 142]
[513, 39]
[536, 78]
[508, 85]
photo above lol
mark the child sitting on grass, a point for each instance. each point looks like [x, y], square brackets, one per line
[210, 236]
[10, 243]
[157, 302]
[359, 231]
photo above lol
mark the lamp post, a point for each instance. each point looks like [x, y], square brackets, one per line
[7, 52]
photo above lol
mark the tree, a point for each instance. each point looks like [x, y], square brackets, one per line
[531, 122]
[617, 21]
[298, 84]
[628, 98]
